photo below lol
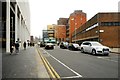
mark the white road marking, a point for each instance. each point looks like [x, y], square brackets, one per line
[70, 77]
[107, 58]
[78, 75]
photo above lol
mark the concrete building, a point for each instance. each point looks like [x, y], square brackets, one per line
[60, 33]
[51, 31]
[76, 19]
[51, 27]
[103, 27]
[62, 21]
[49, 36]
[15, 22]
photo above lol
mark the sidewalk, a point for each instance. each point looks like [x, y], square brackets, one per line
[26, 64]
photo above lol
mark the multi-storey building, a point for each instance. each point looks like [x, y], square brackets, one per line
[62, 21]
[60, 32]
[103, 27]
[76, 19]
[15, 22]
[48, 36]
[51, 31]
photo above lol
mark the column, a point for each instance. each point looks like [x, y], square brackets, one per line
[16, 23]
[20, 32]
[20, 26]
[8, 26]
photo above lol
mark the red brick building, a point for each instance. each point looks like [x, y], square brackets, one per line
[76, 19]
[103, 27]
[60, 32]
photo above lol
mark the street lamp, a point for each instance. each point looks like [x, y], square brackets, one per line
[73, 19]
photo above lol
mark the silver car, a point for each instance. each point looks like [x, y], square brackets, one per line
[94, 48]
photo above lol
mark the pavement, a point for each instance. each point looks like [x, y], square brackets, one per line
[26, 64]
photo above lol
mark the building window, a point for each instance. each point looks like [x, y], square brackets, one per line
[110, 23]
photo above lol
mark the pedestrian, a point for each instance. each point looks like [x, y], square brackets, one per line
[11, 48]
[24, 44]
[17, 47]
[28, 44]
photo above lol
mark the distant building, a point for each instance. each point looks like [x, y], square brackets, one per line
[15, 22]
[31, 39]
[51, 27]
[60, 32]
[49, 36]
[62, 21]
[76, 19]
[51, 31]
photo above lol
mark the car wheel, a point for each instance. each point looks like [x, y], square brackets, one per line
[82, 50]
[94, 52]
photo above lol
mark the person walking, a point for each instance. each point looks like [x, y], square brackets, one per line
[17, 47]
[24, 45]
[11, 48]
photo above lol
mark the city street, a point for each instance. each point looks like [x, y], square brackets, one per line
[74, 64]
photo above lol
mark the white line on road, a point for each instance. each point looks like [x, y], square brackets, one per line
[107, 58]
[78, 75]
[70, 77]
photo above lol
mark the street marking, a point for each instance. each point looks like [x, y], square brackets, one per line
[70, 77]
[56, 74]
[46, 65]
[78, 75]
[107, 58]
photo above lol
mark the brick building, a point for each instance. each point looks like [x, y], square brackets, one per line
[76, 19]
[60, 32]
[103, 27]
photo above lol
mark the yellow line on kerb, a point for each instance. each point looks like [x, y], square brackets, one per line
[52, 72]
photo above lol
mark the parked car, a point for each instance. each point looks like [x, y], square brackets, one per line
[64, 45]
[42, 44]
[94, 48]
[73, 46]
[49, 46]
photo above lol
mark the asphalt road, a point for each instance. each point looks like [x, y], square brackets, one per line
[74, 64]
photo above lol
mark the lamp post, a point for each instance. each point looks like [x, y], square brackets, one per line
[73, 19]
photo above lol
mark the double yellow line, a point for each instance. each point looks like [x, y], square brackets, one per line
[53, 74]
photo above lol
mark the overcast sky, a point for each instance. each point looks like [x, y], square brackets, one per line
[47, 12]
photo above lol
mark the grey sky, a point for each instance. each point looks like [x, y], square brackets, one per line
[46, 12]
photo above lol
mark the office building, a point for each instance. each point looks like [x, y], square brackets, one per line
[15, 23]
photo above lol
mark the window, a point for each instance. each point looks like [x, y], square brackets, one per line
[110, 23]
[86, 43]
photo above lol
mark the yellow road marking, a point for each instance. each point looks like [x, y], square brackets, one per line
[50, 69]
[58, 77]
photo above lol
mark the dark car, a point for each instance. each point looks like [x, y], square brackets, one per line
[42, 44]
[64, 45]
[49, 46]
[73, 46]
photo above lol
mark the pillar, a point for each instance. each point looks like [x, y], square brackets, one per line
[16, 23]
[8, 26]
